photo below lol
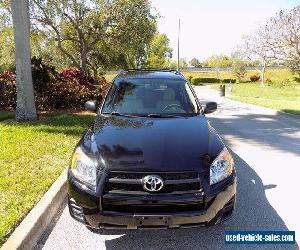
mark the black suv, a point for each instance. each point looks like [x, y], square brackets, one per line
[151, 159]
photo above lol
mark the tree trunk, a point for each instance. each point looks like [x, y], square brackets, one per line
[26, 109]
[83, 59]
[263, 71]
[95, 74]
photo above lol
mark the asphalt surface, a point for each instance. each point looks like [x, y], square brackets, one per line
[266, 147]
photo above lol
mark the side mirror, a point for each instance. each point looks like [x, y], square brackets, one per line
[210, 107]
[91, 106]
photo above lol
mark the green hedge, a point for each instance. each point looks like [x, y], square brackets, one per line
[200, 80]
[203, 80]
[297, 79]
[228, 80]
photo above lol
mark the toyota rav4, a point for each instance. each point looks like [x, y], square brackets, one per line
[151, 159]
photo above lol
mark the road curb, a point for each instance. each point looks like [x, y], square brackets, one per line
[288, 114]
[34, 224]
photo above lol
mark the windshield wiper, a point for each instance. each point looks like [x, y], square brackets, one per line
[118, 114]
[154, 115]
[160, 115]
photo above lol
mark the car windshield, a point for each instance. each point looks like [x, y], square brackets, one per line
[152, 97]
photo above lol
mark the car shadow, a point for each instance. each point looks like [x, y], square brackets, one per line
[253, 212]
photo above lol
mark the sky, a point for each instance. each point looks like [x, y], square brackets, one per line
[210, 27]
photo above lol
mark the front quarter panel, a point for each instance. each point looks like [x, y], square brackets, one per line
[216, 144]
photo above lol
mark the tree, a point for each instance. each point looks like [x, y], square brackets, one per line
[219, 61]
[238, 68]
[259, 46]
[159, 52]
[7, 49]
[4, 13]
[195, 63]
[26, 109]
[182, 63]
[286, 36]
[97, 34]
[276, 42]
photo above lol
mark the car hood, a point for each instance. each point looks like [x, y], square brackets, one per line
[152, 144]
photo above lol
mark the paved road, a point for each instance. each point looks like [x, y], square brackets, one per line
[267, 156]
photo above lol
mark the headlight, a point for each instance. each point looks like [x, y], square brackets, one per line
[221, 167]
[84, 168]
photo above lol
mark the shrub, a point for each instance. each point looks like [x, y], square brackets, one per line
[268, 81]
[103, 84]
[72, 73]
[200, 80]
[254, 78]
[286, 82]
[8, 95]
[72, 89]
[297, 79]
[70, 95]
[42, 75]
[69, 89]
[228, 80]
[190, 78]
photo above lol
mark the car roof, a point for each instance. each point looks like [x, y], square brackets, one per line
[150, 74]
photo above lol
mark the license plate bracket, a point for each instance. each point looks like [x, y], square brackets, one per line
[152, 220]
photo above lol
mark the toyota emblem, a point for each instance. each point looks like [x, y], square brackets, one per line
[152, 183]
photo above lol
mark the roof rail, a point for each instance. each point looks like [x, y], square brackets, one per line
[151, 70]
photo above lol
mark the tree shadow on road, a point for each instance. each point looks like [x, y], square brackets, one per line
[279, 131]
[253, 212]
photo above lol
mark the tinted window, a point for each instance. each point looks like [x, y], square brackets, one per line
[150, 96]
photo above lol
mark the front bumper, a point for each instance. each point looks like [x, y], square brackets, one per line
[219, 209]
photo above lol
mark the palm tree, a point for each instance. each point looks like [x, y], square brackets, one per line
[26, 109]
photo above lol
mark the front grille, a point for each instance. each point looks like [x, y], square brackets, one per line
[173, 182]
[155, 208]
[163, 175]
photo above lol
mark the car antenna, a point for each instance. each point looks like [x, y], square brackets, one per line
[178, 46]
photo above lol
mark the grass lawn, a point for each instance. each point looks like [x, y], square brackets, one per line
[32, 156]
[285, 98]
[109, 76]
